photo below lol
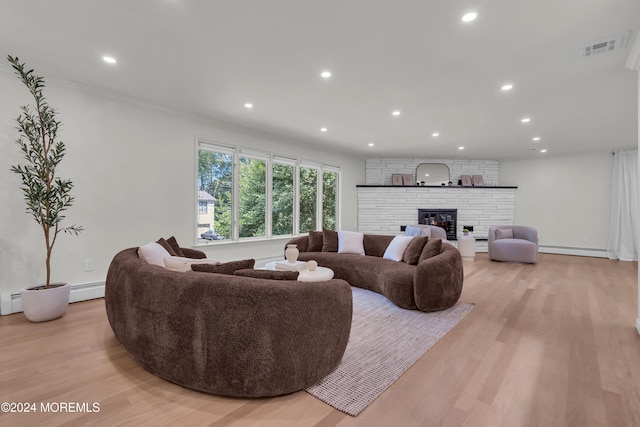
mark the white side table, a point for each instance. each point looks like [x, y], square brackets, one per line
[467, 247]
[321, 274]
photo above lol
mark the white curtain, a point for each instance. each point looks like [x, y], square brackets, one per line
[623, 231]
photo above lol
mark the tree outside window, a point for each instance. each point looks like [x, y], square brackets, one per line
[308, 198]
[329, 200]
[236, 189]
[253, 197]
[215, 176]
[282, 199]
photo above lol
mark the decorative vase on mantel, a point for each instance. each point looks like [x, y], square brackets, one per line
[291, 253]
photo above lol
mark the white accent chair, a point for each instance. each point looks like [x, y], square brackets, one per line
[513, 243]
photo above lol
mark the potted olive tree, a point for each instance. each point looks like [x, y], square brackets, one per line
[46, 194]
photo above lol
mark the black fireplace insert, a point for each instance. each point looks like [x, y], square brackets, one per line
[444, 218]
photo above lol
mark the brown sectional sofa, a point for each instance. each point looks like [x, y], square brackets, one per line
[433, 284]
[226, 334]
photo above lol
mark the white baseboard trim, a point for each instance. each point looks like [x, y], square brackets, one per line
[562, 250]
[11, 303]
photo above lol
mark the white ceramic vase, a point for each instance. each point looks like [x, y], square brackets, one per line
[291, 253]
[45, 304]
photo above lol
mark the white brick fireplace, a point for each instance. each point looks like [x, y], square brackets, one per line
[383, 209]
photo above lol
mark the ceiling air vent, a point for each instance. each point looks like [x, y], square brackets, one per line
[607, 44]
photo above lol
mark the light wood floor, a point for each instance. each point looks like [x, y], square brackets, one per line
[547, 345]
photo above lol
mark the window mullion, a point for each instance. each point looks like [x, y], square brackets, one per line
[296, 200]
[269, 199]
[235, 206]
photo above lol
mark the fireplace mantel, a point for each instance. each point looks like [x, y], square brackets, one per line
[447, 187]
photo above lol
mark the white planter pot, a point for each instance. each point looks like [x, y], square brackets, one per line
[45, 304]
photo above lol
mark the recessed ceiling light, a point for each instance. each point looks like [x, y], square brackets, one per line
[468, 17]
[325, 74]
[109, 59]
[507, 86]
[323, 129]
[460, 148]
[435, 134]
[396, 113]
[543, 150]
[526, 120]
[371, 144]
[248, 105]
[536, 138]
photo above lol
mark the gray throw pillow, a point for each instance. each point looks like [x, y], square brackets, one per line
[504, 233]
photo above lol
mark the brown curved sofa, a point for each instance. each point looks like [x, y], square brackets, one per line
[224, 334]
[433, 284]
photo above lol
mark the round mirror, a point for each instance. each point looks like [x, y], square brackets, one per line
[432, 174]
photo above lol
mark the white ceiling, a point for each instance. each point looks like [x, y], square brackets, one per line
[209, 57]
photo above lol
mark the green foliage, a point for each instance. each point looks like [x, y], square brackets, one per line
[329, 200]
[282, 199]
[253, 197]
[308, 198]
[215, 175]
[47, 196]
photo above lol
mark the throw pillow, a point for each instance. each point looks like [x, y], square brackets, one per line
[224, 268]
[417, 230]
[268, 274]
[175, 246]
[397, 247]
[153, 253]
[177, 263]
[504, 233]
[414, 250]
[315, 241]
[432, 248]
[350, 242]
[329, 241]
[166, 246]
[376, 244]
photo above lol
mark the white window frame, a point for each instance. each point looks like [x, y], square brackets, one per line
[236, 153]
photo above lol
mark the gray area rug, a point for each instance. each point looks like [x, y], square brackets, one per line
[385, 341]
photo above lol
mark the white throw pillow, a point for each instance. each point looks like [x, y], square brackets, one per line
[350, 242]
[153, 253]
[395, 250]
[182, 264]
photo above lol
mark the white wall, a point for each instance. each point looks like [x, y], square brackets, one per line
[133, 168]
[568, 198]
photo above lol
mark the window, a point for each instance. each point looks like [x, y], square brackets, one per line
[283, 176]
[248, 195]
[308, 198]
[329, 199]
[215, 178]
[253, 197]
